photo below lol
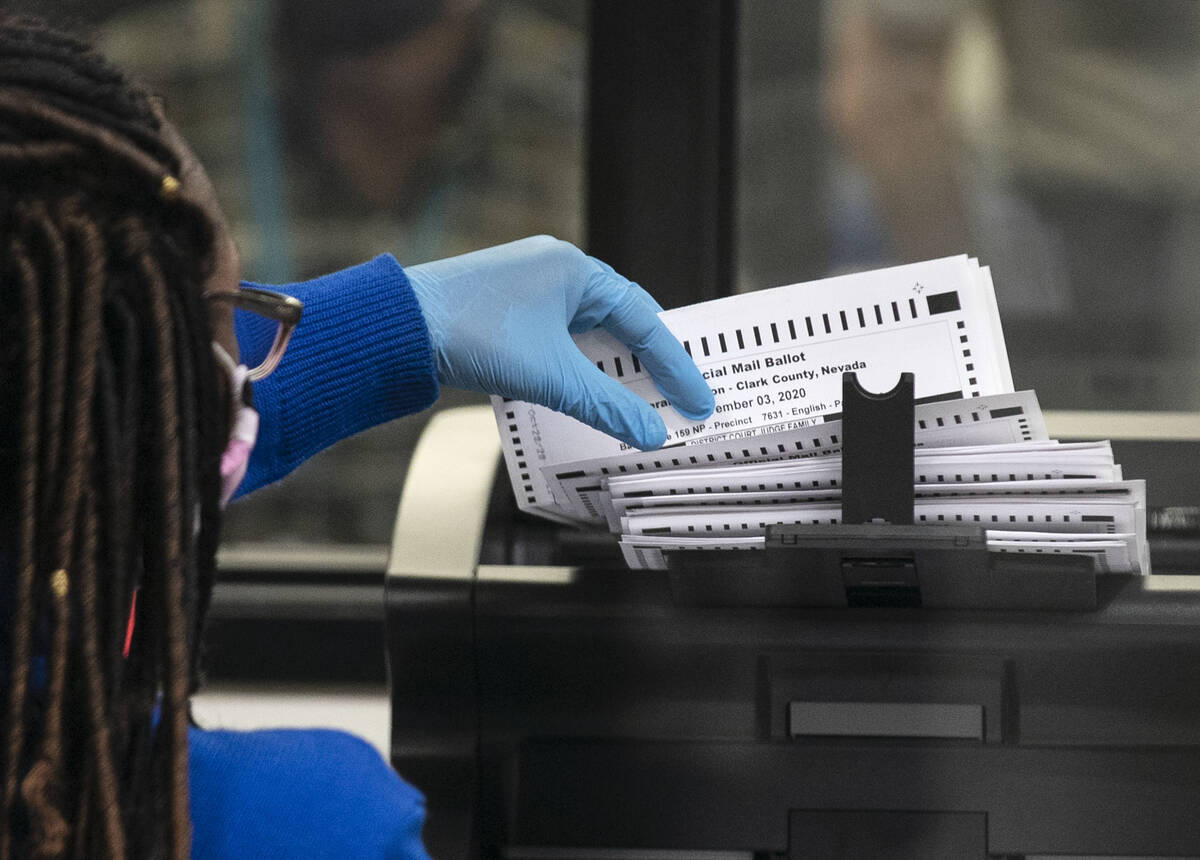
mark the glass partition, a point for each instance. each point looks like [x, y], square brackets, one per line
[1056, 140]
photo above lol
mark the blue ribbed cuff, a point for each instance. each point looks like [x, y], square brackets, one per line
[359, 357]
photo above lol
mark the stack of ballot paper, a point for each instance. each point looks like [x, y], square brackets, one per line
[770, 452]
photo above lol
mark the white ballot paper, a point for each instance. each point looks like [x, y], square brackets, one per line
[1066, 515]
[1134, 491]
[977, 465]
[1003, 418]
[771, 452]
[775, 360]
[1116, 553]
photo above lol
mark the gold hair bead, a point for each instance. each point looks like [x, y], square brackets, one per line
[59, 583]
[169, 189]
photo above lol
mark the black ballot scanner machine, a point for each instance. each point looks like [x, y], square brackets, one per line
[552, 703]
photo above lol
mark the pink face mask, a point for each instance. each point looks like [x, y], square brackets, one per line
[236, 456]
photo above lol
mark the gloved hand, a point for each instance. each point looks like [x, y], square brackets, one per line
[500, 321]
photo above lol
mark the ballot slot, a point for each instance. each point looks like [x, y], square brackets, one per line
[922, 697]
[926, 720]
[876, 557]
[886, 581]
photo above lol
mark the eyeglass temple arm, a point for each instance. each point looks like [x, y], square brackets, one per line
[275, 353]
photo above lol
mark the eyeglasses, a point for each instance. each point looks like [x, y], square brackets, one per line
[283, 309]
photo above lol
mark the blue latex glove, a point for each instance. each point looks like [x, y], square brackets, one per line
[500, 321]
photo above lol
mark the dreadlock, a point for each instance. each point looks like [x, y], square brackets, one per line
[113, 414]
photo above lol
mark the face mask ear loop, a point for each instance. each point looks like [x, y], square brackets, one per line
[227, 362]
[238, 374]
[236, 457]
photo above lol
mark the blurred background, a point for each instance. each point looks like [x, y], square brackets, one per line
[1056, 140]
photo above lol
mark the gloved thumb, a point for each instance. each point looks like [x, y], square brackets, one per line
[599, 400]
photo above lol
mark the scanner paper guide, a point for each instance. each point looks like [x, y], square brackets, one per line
[775, 360]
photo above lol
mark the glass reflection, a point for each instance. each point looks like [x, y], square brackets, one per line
[1054, 139]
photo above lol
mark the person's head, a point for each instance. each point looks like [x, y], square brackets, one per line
[114, 412]
[368, 90]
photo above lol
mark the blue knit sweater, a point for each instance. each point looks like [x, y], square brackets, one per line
[359, 357]
[299, 793]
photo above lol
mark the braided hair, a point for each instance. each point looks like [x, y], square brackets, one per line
[113, 415]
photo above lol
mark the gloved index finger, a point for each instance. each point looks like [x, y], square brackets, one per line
[632, 320]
